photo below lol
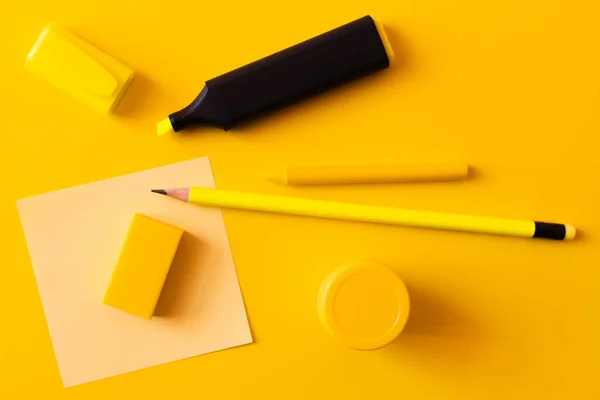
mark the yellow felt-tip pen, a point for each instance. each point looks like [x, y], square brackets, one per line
[367, 213]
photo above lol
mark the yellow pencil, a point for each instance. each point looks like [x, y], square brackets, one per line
[360, 174]
[367, 213]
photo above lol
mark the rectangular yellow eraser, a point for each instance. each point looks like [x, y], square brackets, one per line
[78, 68]
[143, 265]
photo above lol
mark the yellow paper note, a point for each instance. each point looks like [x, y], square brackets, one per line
[74, 238]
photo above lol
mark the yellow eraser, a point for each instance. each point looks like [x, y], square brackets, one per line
[143, 265]
[78, 68]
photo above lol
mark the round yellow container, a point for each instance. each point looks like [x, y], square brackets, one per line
[364, 305]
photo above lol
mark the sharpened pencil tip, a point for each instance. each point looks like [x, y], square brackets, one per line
[159, 191]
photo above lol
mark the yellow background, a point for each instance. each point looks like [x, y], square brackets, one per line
[511, 87]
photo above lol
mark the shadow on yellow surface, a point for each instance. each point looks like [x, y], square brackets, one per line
[438, 330]
[174, 297]
[135, 98]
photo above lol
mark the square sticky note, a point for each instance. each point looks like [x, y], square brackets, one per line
[75, 237]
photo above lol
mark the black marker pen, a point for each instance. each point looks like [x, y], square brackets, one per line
[284, 78]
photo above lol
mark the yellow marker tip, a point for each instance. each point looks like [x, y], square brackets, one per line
[570, 232]
[164, 127]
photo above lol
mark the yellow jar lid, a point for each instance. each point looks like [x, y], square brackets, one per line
[364, 305]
